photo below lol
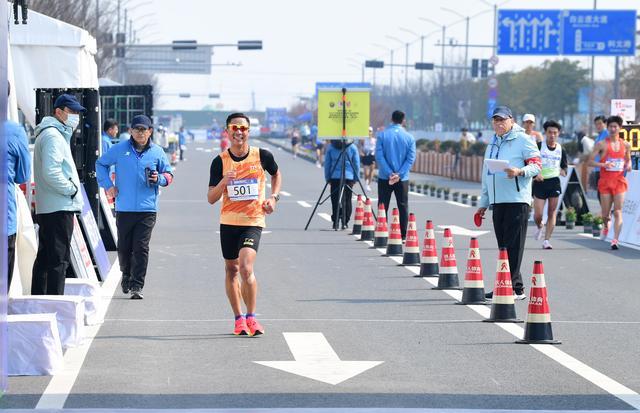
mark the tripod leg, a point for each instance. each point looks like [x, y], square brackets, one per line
[318, 202]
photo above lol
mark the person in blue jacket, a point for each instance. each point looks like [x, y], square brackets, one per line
[333, 168]
[509, 191]
[182, 142]
[109, 133]
[395, 154]
[18, 172]
[141, 168]
[58, 195]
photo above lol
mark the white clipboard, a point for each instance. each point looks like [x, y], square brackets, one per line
[496, 165]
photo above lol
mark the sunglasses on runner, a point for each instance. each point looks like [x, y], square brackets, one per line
[240, 128]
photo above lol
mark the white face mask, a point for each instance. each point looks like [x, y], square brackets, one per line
[73, 121]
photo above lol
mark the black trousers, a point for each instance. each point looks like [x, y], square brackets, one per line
[54, 250]
[401, 190]
[335, 194]
[11, 256]
[510, 225]
[134, 234]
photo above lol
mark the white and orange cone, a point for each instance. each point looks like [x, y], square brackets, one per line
[537, 330]
[381, 233]
[411, 246]
[473, 291]
[394, 245]
[368, 226]
[359, 217]
[429, 256]
[503, 309]
[448, 277]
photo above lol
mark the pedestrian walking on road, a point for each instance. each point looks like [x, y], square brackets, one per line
[368, 153]
[59, 196]
[509, 191]
[395, 154]
[546, 185]
[333, 170]
[18, 172]
[238, 177]
[615, 160]
[141, 168]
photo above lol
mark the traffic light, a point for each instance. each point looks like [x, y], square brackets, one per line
[484, 68]
[474, 67]
[249, 44]
[184, 45]
[375, 64]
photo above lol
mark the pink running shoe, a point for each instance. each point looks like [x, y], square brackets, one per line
[614, 244]
[241, 328]
[255, 328]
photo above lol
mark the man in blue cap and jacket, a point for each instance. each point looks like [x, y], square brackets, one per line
[509, 191]
[141, 168]
[58, 195]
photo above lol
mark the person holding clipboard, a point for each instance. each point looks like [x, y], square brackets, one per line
[511, 161]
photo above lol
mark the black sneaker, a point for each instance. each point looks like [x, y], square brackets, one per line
[136, 294]
[124, 283]
[489, 295]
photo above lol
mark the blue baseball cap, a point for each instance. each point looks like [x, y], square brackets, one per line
[68, 101]
[502, 112]
[141, 121]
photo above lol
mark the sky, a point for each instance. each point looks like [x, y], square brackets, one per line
[309, 41]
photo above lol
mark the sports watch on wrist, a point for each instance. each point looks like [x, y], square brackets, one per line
[276, 197]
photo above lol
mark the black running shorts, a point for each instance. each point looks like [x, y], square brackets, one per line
[235, 237]
[549, 188]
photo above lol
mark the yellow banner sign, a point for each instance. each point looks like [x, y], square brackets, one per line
[330, 114]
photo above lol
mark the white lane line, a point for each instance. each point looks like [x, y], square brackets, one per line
[207, 150]
[604, 382]
[457, 230]
[416, 193]
[458, 204]
[285, 193]
[56, 393]
[324, 216]
[199, 148]
[304, 204]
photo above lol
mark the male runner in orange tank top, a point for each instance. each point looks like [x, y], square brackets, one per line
[238, 176]
[615, 160]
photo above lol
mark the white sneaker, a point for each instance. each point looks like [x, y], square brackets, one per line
[318, 165]
[368, 187]
[520, 296]
[546, 245]
[539, 233]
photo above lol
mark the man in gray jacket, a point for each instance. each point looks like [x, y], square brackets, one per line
[58, 195]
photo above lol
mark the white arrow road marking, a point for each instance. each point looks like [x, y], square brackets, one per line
[285, 193]
[316, 360]
[456, 230]
[304, 204]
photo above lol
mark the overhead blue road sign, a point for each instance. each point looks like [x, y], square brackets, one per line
[599, 32]
[529, 32]
[567, 32]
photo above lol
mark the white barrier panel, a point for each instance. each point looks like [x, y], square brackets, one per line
[34, 345]
[69, 313]
[90, 290]
[630, 233]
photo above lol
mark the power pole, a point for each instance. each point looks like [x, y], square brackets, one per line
[591, 86]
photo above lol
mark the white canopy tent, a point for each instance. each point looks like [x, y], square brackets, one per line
[48, 53]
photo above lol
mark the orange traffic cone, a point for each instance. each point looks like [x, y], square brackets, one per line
[411, 246]
[368, 225]
[537, 330]
[394, 245]
[448, 278]
[429, 257]
[359, 217]
[381, 234]
[503, 307]
[473, 292]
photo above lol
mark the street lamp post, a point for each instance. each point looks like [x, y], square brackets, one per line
[466, 43]
[404, 29]
[406, 58]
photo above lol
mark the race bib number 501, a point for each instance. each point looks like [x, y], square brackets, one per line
[243, 190]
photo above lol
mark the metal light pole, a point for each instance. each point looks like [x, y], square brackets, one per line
[397, 40]
[466, 42]
[390, 67]
[421, 54]
[591, 83]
